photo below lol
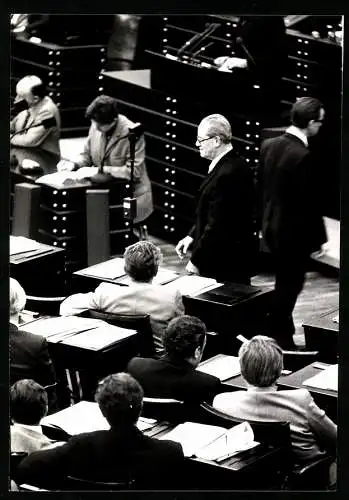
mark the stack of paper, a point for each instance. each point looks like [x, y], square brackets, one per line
[222, 366]
[99, 338]
[60, 179]
[212, 442]
[327, 379]
[110, 269]
[193, 285]
[61, 326]
[86, 416]
[20, 244]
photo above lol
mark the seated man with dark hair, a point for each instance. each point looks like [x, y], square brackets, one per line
[142, 262]
[261, 362]
[119, 454]
[174, 375]
[29, 355]
[108, 150]
[29, 404]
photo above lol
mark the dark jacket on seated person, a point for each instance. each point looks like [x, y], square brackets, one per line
[109, 455]
[166, 378]
[29, 357]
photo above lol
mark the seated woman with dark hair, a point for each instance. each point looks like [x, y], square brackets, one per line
[141, 297]
[261, 361]
[29, 404]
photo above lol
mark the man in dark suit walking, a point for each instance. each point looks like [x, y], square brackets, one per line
[292, 223]
[222, 239]
[174, 375]
[120, 454]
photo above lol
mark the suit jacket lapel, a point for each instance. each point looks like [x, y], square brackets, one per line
[214, 172]
[117, 134]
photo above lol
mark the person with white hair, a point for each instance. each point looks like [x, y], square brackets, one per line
[29, 355]
[222, 239]
[39, 125]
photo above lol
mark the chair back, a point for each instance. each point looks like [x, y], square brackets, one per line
[15, 459]
[44, 305]
[270, 433]
[170, 410]
[296, 360]
[313, 476]
[79, 484]
[138, 322]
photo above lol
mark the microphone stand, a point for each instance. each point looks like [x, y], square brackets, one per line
[130, 203]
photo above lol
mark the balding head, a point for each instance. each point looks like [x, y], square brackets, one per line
[17, 299]
[214, 136]
[30, 89]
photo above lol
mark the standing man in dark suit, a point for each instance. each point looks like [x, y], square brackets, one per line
[121, 453]
[174, 375]
[292, 223]
[222, 238]
[29, 355]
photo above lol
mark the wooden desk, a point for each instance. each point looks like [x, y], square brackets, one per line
[325, 399]
[321, 334]
[245, 316]
[40, 272]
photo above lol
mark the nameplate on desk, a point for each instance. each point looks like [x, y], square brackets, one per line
[229, 294]
[85, 416]
[222, 366]
[327, 379]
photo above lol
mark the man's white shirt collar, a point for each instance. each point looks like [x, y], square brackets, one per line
[216, 160]
[298, 133]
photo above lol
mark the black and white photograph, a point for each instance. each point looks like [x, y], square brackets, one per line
[174, 252]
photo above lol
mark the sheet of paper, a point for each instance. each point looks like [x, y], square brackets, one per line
[110, 269]
[327, 379]
[222, 366]
[237, 439]
[194, 436]
[84, 416]
[146, 423]
[59, 179]
[20, 244]
[49, 327]
[100, 337]
[193, 285]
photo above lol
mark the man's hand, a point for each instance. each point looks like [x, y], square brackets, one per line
[191, 269]
[65, 166]
[183, 245]
[229, 63]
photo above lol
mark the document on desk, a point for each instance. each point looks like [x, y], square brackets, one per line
[222, 366]
[100, 337]
[193, 285]
[210, 441]
[327, 379]
[163, 276]
[20, 244]
[56, 328]
[60, 179]
[110, 269]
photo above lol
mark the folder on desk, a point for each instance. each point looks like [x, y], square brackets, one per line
[327, 379]
[192, 285]
[99, 338]
[61, 326]
[222, 366]
[229, 293]
[85, 416]
[212, 442]
[110, 269]
[20, 244]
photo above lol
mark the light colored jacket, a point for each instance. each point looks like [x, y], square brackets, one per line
[40, 137]
[29, 439]
[311, 429]
[115, 158]
[161, 303]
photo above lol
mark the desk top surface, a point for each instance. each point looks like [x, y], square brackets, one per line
[47, 161]
[324, 321]
[36, 253]
[296, 379]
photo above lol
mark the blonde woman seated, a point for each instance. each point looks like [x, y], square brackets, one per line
[142, 262]
[261, 360]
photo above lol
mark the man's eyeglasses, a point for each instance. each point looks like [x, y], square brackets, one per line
[199, 141]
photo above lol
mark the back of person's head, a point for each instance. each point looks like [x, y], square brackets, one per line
[103, 110]
[304, 110]
[185, 338]
[261, 361]
[28, 401]
[30, 83]
[142, 260]
[17, 297]
[218, 125]
[120, 399]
